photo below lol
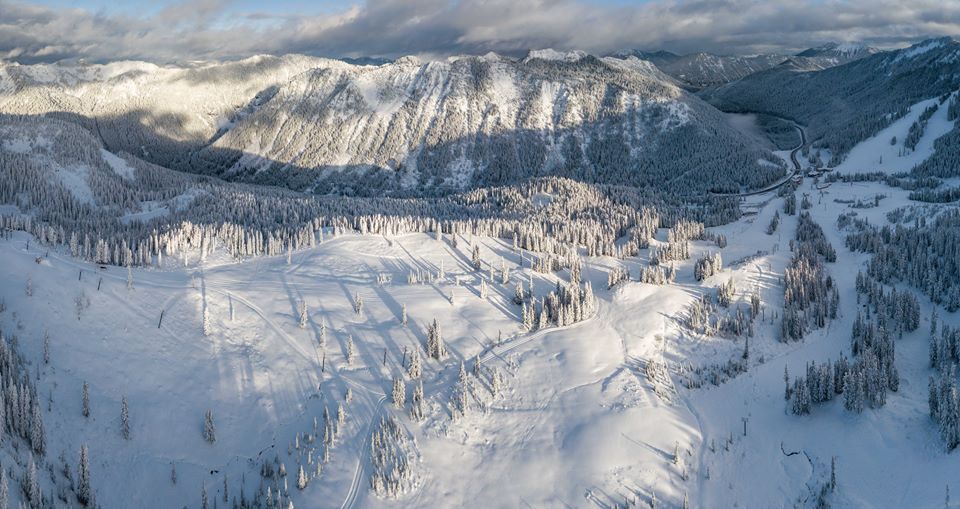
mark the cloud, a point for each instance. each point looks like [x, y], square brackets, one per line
[212, 29]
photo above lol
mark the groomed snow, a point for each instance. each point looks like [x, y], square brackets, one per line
[878, 154]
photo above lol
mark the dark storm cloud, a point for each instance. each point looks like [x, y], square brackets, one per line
[208, 29]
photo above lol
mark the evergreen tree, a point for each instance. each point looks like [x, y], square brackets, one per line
[358, 303]
[124, 419]
[209, 430]
[475, 259]
[833, 473]
[414, 370]
[302, 312]
[435, 344]
[301, 478]
[86, 400]
[84, 490]
[399, 392]
[416, 408]
[350, 352]
[38, 437]
[31, 484]
[207, 327]
[4, 490]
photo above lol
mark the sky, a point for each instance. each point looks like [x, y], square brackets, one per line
[180, 31]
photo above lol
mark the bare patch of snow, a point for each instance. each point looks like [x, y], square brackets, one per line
[74, 179]
[879, 154]
[920, 49]
[383, 101]
[554, 55]
[117, 164]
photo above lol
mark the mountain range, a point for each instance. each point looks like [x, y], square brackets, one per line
[404, 127]
[701, 70]
[411, 127]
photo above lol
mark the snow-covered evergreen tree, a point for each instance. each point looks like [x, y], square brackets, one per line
[414, 370]
[124, 419]
[399, 392]
[416, 408]
[301, 478]
[84, 489]
[302, 313]
[209, 430]
[436, 347]
[350, 352]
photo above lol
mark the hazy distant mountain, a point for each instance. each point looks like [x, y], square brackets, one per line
[840, 53]
[701, 70]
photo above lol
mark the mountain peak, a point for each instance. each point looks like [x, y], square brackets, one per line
[845, 51]
[552, 54]
[923, 47]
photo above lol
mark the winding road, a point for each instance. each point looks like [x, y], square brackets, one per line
[793, 159]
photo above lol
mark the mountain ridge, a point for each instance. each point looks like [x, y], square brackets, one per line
[405, 126]
[701, 70]
[845, 104]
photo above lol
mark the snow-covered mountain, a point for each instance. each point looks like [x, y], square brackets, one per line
[839, 53]
[486, 120]
[701, 70]
[406, 126]
[622, 338]
[848, 103]
[159, 113]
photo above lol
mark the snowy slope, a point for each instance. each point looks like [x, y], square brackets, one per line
[154, 112]
[838, 53]
[879, 154]
[585, 417]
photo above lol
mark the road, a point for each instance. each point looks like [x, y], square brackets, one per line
[793, 159]
[803, 141]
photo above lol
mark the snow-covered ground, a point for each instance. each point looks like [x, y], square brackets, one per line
[885, 151]
[888, 457]
[585, 418]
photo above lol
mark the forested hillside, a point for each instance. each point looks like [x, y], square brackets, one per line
[846, 104]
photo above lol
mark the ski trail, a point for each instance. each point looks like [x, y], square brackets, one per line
[292, 343]
[362, 459]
